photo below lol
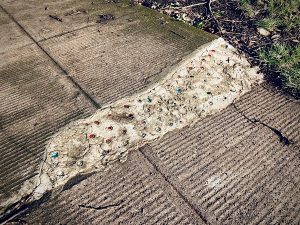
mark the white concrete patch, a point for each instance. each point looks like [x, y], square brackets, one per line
[209, 80]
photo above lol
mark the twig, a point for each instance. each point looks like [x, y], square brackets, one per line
[190, 6]
[232, 21]
[186, 7]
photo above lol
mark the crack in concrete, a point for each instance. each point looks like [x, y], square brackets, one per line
[101, 207]
[283, 139]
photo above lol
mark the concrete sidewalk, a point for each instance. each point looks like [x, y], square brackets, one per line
[60, 61]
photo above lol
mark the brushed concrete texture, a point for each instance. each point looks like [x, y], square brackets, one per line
[15, 39]
[110, 59]
[230, 168]
[236, 171]
[129, 193]
[227, 169]
[35, 101]
[49, 64]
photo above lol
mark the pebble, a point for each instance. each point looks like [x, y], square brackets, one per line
[130, 116]
[263, 31]
[54, 154]
[79, 163]
[276, 36]
[178, 90]
[92, 135]
[158, 129]
[60, 173]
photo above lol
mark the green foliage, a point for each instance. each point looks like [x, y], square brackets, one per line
[247, 7]
[287, 60]
[200, 25]
[269, 24]
[281, 13]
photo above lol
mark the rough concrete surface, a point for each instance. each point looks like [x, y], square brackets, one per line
[240, 166]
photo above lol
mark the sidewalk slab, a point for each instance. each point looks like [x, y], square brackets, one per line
[36, 100]
[237, 172]
[15, 39]
[133, 193]
[113, 58]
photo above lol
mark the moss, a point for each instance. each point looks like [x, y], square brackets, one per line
[151, 22]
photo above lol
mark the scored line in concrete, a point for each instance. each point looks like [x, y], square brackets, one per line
[55, 62]
[199, 212]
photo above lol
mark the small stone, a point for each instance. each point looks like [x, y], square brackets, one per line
[144, 135]
[178, 90]
[126, 106]
[124, 131]
[130, 116]
[158, 129]
[125, 143]
[110, 128]
[60, 173]
[79, 163]
[92, 135]
[96, 122]
[149, 99]
[108, 141]
[263, 31]
[276, 36]
[54, 154]
[171, 124]
[211, 103]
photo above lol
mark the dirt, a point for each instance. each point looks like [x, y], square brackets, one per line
[226, 19]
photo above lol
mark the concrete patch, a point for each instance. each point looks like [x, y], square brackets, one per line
[208, 81]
